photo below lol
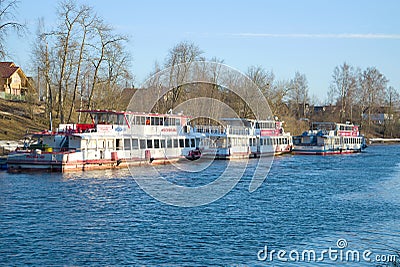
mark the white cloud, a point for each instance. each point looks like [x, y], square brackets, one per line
[327, 36]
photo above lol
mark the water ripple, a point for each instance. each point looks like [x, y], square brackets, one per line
[104, 218]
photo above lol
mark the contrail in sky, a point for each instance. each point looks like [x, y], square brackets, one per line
[326, 36]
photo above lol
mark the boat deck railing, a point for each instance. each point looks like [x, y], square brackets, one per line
[209, 129]
[238, 130]
[220, 130]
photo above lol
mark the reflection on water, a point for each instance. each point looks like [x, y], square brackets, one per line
[104, 218]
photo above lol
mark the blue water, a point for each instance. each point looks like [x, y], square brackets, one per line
[104, 218]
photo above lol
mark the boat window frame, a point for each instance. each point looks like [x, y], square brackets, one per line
[133, 143]
[156, 143]
[129, 146]
[142, 144]
[149, 143]
[170, 143]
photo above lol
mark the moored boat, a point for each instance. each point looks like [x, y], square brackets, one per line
[113, 139]
[238, 138]
[326, 138]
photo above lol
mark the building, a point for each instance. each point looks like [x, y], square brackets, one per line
[379, 115]
[14, 84]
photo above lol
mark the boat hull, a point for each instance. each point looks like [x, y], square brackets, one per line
[320, 150]
[64, 162]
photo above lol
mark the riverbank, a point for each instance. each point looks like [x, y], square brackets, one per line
[18, 118]
[384, 141]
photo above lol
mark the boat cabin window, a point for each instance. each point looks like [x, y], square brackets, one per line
[118, 143]
[162, 143]
[127, 144]
[175, 142]
[101, 118]
[192, 143]
[169, 143]
[120, 119]
[149, 143]
[109, 118]
[346, 128]
[135, 144]
[156, 143]
[142, 144]
[156, 121]
[181, 143]
[151, 120]
[187, 142]
[101, 144]
[110, 144]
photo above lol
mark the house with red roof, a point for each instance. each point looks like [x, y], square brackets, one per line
[13, 82]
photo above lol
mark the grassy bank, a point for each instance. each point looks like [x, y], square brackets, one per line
[18, 118]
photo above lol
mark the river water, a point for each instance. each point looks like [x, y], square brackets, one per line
[348, 203]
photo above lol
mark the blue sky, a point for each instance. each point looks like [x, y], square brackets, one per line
[309, 36]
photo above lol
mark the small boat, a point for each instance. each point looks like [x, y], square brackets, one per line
[326, 138]
[194, 154]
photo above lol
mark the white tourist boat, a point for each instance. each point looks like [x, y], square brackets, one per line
[113, 139]
[326, 138]
[243, 138]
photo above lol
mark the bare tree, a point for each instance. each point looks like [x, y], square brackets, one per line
[105, 42]
[8, 22]
[277, 97]
[81, 57]
[178, 60]
[371, 93]
[86, 20]
[69, 15]
[42, 57]
[262, 78]
[392, 102]
[115, 73]
[343, 89]
[298, 94]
